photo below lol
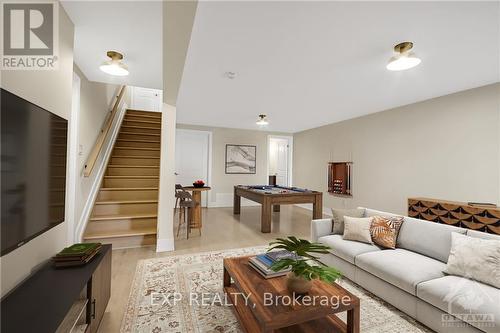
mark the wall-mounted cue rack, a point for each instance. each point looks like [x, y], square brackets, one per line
[339, 178]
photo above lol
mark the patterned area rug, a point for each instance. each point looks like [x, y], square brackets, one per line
[155, 303]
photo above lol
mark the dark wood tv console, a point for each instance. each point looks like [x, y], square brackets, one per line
[54, 300]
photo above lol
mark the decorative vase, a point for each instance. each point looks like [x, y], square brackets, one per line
[297, 284]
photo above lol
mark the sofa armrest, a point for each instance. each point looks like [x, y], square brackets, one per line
[320, 228]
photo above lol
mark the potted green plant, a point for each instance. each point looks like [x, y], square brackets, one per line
[305, 267]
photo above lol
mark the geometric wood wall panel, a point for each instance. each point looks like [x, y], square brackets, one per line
[486, 219]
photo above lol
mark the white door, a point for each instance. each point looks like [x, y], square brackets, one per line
[192, 150]
[278, 160]
[146, 99]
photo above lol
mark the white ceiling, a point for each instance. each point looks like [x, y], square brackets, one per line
[307, 64]
[133, 28]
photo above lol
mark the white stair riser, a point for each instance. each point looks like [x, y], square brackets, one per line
[120, 226]
[126, 242]
[128, 195]
[118, 171]
[127, 182]
[124, 208]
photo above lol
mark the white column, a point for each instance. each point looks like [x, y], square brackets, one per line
[166, 198]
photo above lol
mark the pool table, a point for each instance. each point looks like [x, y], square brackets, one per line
[272, 196]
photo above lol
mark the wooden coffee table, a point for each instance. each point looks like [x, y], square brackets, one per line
[254, 316]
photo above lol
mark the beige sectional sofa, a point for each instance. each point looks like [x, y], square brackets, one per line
[411, 276]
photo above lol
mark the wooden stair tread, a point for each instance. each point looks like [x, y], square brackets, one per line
[135, 156]
[131, 177]
[142, 127]
[136, 140]
[134, 133]
[149, 113]
[122, 217]
[129, 189]
[133, 166]
[145, 116]
[126, 215]
[137, 148]
[113, 202]
[123, 233]
[142, 121]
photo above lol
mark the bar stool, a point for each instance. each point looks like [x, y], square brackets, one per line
[178, 188]
[185, 203]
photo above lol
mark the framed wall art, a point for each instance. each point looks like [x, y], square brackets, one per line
[241, 159]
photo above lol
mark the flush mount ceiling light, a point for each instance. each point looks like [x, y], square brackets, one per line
[230, 75]
[262, 120]
[114, 66]
[404, 59]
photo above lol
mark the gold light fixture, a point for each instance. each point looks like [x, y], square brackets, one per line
[115, 66]
[262, 120]
[404, 59]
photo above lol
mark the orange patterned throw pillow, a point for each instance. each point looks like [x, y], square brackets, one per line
[385, 229]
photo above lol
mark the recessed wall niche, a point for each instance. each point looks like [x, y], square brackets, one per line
[340, 179]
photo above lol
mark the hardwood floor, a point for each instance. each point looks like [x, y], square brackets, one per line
[221, 230]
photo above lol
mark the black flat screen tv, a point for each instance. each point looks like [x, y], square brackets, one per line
[33, 170]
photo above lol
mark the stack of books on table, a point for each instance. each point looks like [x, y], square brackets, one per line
[262, 263]
[76, 254]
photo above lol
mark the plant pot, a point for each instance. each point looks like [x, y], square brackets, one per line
[198, 185]
[297, 284]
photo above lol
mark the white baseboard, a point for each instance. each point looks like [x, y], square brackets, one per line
[101, 169]
[326, 211]
[164, 244]
[226, 200]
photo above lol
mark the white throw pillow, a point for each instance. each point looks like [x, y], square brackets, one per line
[357, 229]
[475, 258]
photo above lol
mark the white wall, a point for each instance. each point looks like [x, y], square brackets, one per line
[96, 100]
[51, 90]
[445, 148]
[166, 198]
[222, 184]
[178, 19]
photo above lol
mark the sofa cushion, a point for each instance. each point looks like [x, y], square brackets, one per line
[475, 258]
[483, 235]
[401, 268]
[385, 230]
[358, 229]
[372, 212]
[464, 298]
[427, 238]
[346, 249]
[338, 218]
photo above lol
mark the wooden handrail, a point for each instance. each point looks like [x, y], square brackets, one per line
[89, 165]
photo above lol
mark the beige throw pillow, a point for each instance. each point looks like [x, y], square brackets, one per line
[338, 218]
[385, 230]
[357, 229]
[475, 258]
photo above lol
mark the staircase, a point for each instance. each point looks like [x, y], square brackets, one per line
[126, 208]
